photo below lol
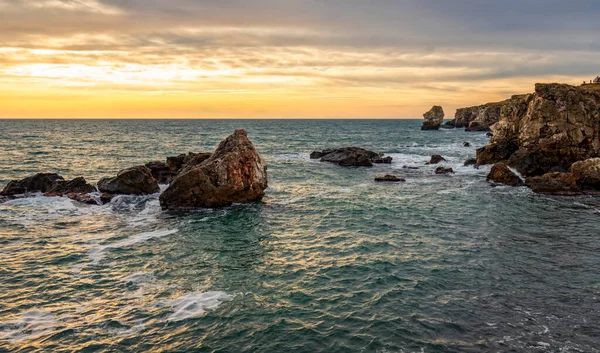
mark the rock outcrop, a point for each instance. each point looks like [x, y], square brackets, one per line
[443, 171]
[546, 131]
[351, 157]
[587, 174]
[41, 182]
[164, 173]
[433, 118]
[502, 174]
[77, 186]
[131, 181]
[436, 158]
[234, 173]
[383, 160]
[477, 118]
[554, 184]
[389, 178]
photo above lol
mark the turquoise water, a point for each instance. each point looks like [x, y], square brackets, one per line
[329, 262]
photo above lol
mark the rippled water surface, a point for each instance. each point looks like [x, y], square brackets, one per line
[329, 262]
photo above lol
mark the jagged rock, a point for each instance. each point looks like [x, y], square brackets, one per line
[436, 158]
[131, 181]
[351, 156]
[496, 152]
[318, 155]
[389, 178]
[433, 118]
[383, 160]
[587, 174]
[470, 161]
[194, 159]
[235, 173]
[501, 174]
[161, 171]
[477, 118]
[442, 170]
[41, 182]
[77, 185]
[82, 197]
[552, 129]
[554, 184]
[106, 198]
[466, 144]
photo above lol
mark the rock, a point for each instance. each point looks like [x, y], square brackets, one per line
[448, 125]
[554, 184]
[175, 163]
[490, 134]
[318, 155]
[389, 178]
[552, 128]
[77, 185]
[587, 174]
[466, 144]
[131, 181]
[235, 173]
[4, 199]
[41, 182]
[442, 170]
[409, 167]
[501, 174]
[194, 159]
[436, 158]
[82, 197]
[433, 118]
[478, 118]
[470, 161]
[496, 152]
[382, 160]
[351, 156]
[106, 198]
[161, 171]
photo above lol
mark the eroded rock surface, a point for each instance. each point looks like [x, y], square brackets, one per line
[433, 118]
[131, 181]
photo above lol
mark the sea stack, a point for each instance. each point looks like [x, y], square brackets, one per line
[234, 173]
[433, 118]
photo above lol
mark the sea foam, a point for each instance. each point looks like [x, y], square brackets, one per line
[195, 304]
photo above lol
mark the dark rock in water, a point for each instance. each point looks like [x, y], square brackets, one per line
[82, 197]
[389, 178]
[5, 199]
[41, 182]
[433, 118]
[77, 185]
[317, 154]
[447, 125]
[383, 160]
[436, 158]
[235, 173]
[532, 160]
[587, 174]
[161, 172]
[466, 144]
[496, 152]
[351, 156]
[409, 167]
[131, 181]
[442, 170]
[490, 134]
[470, 161]
[554, 184]
[106, 198]
[501, 174]
[477, 126]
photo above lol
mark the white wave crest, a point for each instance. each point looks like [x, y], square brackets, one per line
[195, 304]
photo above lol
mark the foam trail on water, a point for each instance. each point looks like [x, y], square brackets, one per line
[31, 325]
[97, 253]
[195, 304]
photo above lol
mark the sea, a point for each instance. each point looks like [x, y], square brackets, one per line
[329, 261]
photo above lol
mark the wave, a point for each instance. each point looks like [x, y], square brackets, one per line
[195, 304]
[97, 253]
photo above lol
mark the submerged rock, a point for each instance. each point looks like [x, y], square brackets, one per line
[502, 174]
[383, 160]
[131, 181]
[41, 182]
[436, 158]
[554, 184]
[318, 155]
[389, 178]
[466, 144]
[470, 161]
[433, 118]
[235, 173]
[351, 157]
[81, 197]
[442, 171]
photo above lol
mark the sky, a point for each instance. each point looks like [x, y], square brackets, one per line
[285, 58]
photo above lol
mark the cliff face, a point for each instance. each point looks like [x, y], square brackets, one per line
[546, 131]
[477, 118]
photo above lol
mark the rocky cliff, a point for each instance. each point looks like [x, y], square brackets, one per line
[546, 131]
[477, 118]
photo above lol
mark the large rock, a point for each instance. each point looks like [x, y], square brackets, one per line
[587, 174]
[501, 174]
[433, 118]
[41, 182]
[496, 152]
[320, 154]
[131, 181]
[436, 159]
[554, 184]
[351, 156]
[77, 185]
[443, 171]
[161, 171]
[553, 128]
[235, 173]
[485, 116]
